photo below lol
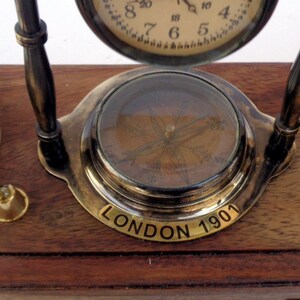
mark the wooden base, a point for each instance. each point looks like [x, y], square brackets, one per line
[57, 244]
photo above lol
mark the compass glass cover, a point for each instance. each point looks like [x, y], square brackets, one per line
[167, 131]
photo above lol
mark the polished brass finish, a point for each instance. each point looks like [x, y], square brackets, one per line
[287, 123]
[13, 203]
[213, 208]
[31, 33]
[184, 178]
[168, 231]
[167, 213]
[290, 113]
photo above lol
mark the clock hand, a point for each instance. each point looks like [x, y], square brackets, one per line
[192, 8]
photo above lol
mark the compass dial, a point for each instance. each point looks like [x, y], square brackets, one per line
[167, 131]
[174, 30]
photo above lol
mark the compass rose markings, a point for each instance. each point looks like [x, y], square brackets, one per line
[157, 123]
[192, 122]
[180, 114]
[169, 141]
[145, 149]
[177, 160]
[156, 169]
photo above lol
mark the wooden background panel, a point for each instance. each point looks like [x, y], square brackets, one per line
[55, 221]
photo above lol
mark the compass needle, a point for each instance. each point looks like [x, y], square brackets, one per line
[190, 134]
[189, 124]
[141, 150]
[157, 123]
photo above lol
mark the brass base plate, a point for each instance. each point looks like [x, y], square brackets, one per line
[100, 202]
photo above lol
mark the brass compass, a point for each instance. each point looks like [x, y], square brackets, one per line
[165, 131]
[170, 154]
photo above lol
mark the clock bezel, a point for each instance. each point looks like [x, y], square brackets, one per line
[110, 39]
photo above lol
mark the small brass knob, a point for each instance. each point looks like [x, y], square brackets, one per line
[13, 203]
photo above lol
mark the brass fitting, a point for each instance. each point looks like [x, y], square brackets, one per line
[13, 203]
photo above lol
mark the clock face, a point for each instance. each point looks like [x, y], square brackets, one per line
[167, 131]
[175, 31]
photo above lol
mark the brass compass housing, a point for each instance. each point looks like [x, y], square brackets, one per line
[164, 154]
[134, 166]
[167, 140]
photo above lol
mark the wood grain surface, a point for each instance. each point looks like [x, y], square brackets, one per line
[58, 244]
[169, 293]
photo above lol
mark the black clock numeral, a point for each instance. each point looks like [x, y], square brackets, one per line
[130, 12]
[145, 3]
[225, 12]
[149, 27]
[174, 33]
[203, 29]
[175, 18]
[142, 3]
[206, 5]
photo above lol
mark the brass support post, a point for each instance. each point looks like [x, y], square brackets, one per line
[290, 113]
[287, 123]
[31, 33]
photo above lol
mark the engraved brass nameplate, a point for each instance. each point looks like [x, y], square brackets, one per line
[161, 231]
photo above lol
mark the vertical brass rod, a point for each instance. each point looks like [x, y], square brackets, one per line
[287, 123]
[28, 16]
[290, 112]
[31, 33]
